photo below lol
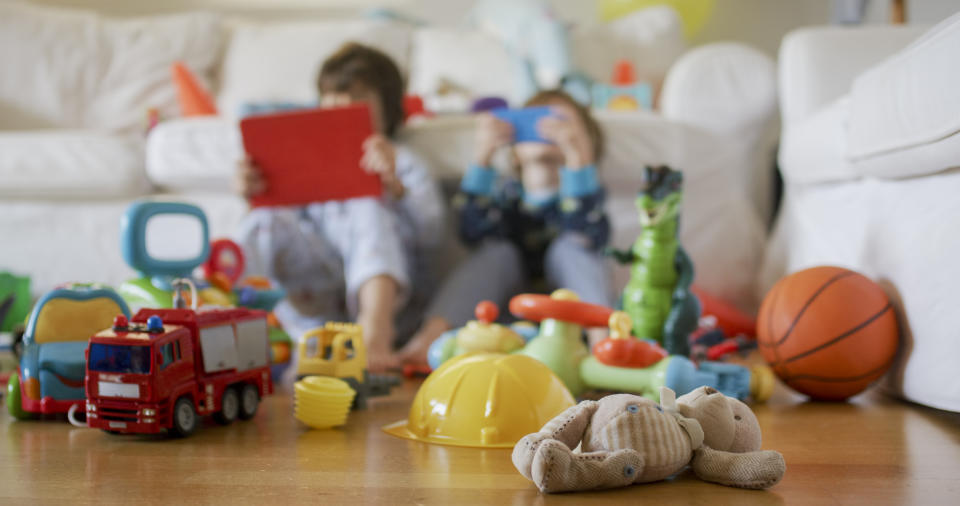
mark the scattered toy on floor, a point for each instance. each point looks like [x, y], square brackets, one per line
[165, 368]
[658, 297]
[322, 402]
[337, 350]
[51, 374]
[828, 332]
[625, 439]
[487, 400]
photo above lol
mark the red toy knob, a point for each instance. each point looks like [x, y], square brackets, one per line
[487, 312]
[120, 322]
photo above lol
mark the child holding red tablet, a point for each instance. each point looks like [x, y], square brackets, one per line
[360, 259]
[544, 221]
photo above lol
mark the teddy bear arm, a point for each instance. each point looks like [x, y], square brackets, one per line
[568, 428]
[556, 468]
[756, 470]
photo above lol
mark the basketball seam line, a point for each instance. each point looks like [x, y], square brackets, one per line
[832, 380]
[846, 334]
[809, 302]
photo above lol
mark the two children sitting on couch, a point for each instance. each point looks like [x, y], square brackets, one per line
[373, 260]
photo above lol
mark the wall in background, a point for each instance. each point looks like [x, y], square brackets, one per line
[761, 23]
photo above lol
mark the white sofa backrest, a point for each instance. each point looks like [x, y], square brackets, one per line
[64, 68]
[279, 60]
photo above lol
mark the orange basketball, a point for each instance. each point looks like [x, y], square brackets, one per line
[827, 332]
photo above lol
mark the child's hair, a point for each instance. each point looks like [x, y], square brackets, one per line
[548, 97]
[355, 64]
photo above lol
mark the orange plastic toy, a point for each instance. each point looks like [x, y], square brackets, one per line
[193, 99]
[537, 307]
[827, 332]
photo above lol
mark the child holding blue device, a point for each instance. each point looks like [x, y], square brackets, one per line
[544, 221]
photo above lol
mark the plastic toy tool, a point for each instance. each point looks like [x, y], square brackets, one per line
[310, 156]
[524, 122]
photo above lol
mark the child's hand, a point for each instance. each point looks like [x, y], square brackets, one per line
[571, 137]
[380, 158]
[492, 134]
[250, 180]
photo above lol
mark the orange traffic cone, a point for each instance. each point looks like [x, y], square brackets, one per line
[194, 100]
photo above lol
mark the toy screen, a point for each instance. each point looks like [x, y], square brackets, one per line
[174, 237]
[119, 359]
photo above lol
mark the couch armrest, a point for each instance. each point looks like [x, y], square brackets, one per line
[817, 65]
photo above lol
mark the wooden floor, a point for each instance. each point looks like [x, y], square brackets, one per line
[870, 451]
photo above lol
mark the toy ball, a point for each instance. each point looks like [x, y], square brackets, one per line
[487, 400]
[827, 332]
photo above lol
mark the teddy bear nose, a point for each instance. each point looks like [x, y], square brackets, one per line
[710, 390]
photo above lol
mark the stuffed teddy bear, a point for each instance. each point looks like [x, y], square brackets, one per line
[626, 439]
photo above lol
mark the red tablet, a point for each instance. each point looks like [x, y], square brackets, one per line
[310, 156]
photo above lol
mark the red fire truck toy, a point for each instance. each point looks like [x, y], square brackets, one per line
[168, 367]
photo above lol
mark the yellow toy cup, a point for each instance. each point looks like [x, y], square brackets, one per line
[322, 402]
[487, 400]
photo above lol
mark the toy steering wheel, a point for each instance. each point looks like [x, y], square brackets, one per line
[225, 258]
[563, 305]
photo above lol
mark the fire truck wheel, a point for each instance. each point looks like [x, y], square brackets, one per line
[249, 401]
[185, 419]
[229, 407]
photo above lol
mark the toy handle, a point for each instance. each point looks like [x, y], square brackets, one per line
[541, 307]
[178, 301]
[217, 261]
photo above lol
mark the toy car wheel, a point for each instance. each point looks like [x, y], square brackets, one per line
[14, 404]
[185, 418]
[229, 407]
[249, 401]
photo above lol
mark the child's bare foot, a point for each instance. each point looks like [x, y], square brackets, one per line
[415, 351]
[378, 334]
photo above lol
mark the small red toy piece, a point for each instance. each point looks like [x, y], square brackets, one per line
[629, 352]
[730, 319]
[310, 156]
[536, 308]
[416, 371]
[487, 312]
[168, 367]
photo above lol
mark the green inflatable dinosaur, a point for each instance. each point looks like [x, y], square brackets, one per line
[658, 297]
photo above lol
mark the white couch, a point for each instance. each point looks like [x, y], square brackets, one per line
[869, 152]
[74, 159]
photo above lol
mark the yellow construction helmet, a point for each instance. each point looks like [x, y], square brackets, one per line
[488, 400]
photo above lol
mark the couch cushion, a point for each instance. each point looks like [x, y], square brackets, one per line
[907, 102]
[49, 61]
[724, 87]
[64, 163]
[134, 73]
[194, 153]
[279, 61]
[73, 69]
[437, 59]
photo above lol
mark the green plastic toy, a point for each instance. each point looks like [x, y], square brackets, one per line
[658, 297]
[14, 301]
